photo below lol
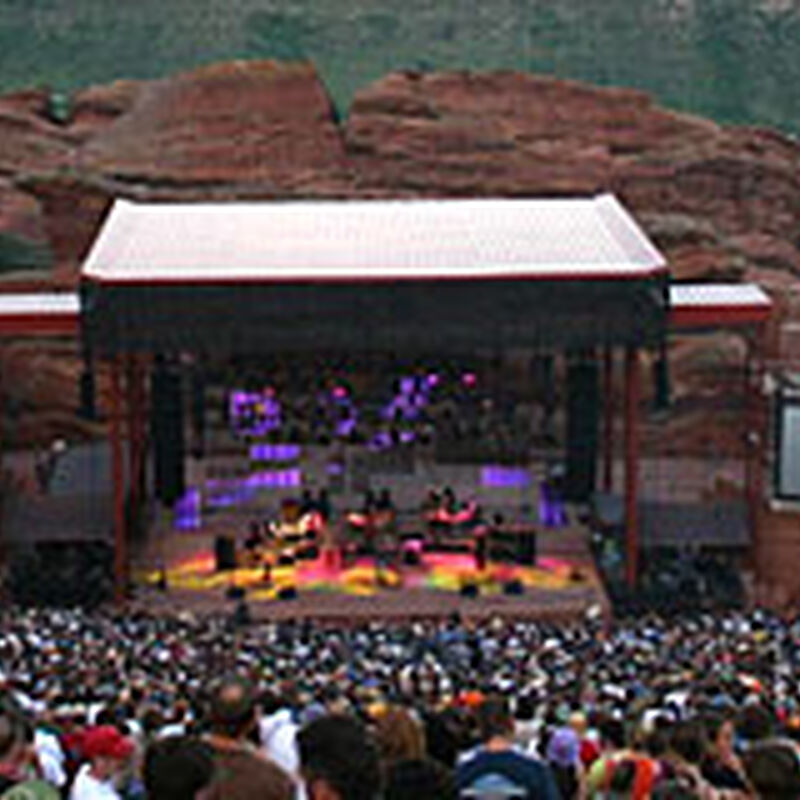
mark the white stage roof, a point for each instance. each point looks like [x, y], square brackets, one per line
[354, 241]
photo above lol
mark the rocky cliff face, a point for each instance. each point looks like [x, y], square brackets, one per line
[722, 203]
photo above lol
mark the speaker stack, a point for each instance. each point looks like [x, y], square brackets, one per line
[167, 427]
[583, 401]
[224, 553]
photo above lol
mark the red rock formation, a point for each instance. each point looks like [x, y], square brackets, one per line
[722, 203]
[244, 124]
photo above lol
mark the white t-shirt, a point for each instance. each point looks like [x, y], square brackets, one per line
[50, 756]
[87, 787]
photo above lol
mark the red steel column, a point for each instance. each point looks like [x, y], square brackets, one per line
[756, 438]
[2, 482]
[608, 419]
[135, 371]
[631, 466]
[118, 477]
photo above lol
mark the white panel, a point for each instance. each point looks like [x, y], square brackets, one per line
[728, 295]
[789, 452]
[38, 304]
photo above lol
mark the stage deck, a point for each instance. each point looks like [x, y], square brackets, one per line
[562, 585]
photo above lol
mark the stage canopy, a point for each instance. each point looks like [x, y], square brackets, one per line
[383, 276]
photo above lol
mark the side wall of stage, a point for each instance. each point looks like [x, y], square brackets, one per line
[777, 557]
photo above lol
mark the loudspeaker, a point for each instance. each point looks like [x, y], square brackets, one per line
[167, 432]
[235, 593]
[514, 588]
[526, 548]
[86, 408]
[661, 383]
[469, 590]
[583, 400]
[224, 553]
[198, 414]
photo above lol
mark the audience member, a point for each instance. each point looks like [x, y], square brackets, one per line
[241, 772]
[339, 759]
[497, 766]
[178, 768]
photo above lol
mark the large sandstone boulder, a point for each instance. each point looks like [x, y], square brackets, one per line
[260, 125]
[722, 203]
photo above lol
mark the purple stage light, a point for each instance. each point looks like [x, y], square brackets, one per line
[255, 413]
[496, 477]
[275, 479]
[275, 452]
[380, 441]
[551, 507]
[188, 511]
[433, 379]
[237, 491]
[345, 427]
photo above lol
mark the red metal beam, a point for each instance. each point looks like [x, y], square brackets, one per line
[632, 466]
[718, 316]
[39, 325]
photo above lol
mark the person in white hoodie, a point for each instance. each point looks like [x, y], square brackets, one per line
[278, 734]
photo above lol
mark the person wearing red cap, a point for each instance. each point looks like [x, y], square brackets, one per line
[106, 751]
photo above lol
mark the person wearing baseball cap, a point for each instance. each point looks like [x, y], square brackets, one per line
[106, 751]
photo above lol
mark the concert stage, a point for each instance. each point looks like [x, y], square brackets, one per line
[562, 584]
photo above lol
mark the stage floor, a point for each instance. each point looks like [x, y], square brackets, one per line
[562, 584]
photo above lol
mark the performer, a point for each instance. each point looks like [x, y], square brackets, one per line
[254, 541]
[481, 547]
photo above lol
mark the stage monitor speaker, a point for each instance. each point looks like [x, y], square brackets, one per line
[287, 593]
[583, 400]
[470, 590]
[514, 588]
[224, 553]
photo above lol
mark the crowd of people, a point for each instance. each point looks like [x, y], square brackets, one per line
[128, 705]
